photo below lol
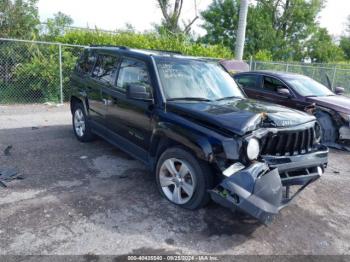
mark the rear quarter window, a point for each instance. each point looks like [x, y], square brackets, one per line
[86, 62]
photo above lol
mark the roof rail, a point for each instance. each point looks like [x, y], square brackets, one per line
[117, 46]
[164, 51]
[145, 49]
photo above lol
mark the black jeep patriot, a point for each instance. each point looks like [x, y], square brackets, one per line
[193, 126]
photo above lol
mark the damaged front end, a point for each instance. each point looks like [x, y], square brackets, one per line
[260, 191]
[255, 190]
[290, 158]
[335, 126]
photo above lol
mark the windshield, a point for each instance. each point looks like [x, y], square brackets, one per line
[306, 86]
[195, 80]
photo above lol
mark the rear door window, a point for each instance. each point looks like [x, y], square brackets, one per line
[106, 69]
[133, 71]
[247, 81]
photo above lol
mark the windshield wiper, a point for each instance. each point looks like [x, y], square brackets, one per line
[190, 99]
[227, 97]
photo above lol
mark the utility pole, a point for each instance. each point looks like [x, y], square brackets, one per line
[242, 24]
[2, 18]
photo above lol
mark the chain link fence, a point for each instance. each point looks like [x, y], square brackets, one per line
[35, 72]
[38, 72]
[338, 74]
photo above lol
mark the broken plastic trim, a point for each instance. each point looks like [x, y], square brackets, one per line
[258, 191]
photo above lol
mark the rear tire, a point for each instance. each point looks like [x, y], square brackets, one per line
[81, 127]
[328, 130]
[183, 179]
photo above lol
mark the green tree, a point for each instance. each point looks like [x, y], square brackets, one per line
[171, 10]
[345, 41]
[322, 49]
[55, 26]
[278, 26]
[345, 46]
[220, 22]
[19, 18]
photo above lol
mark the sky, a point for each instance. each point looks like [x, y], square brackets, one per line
[142, 14]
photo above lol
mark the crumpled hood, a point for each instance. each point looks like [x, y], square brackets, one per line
[239, 115]
[338, 102]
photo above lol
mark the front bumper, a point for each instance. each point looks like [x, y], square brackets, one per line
[262, 189]
[299, 162]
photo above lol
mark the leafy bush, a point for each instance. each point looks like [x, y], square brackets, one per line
[263, 55]
[145, 41]
[36, 78]
[34, 68]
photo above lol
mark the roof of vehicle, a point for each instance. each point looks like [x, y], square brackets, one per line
[149, 52]
[271, 73]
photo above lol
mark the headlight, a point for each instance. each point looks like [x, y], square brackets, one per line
[253, 149]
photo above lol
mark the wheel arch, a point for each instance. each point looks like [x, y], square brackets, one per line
[74, 100]
[161, 140]
[332, 114]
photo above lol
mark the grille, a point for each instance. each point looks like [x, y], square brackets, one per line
[288, 143]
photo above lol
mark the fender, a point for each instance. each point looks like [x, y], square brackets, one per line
[205, 143]
[199, 144]
[81, 96]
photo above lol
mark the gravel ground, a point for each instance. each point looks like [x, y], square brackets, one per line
[94, 199]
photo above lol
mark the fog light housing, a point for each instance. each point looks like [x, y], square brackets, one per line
[253, 149]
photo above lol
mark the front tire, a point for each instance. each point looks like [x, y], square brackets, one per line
[81, 125]
[328, 130]
[183, 179]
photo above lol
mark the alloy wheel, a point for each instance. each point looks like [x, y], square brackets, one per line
[79, 122]
[177, 180]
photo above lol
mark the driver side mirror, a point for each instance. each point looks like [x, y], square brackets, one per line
[284, 91]
[138, 92]
[339, 90]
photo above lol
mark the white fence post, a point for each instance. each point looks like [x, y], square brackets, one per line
[61, 74]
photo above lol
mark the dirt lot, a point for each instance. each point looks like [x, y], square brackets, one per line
[93, 199]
